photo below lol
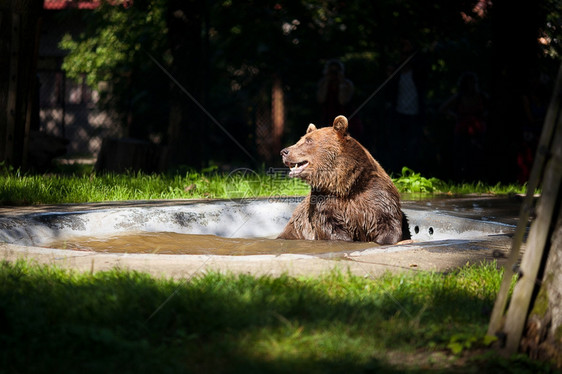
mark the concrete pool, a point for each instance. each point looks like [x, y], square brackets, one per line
[242, 232]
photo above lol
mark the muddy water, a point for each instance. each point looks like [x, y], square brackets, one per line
[427, 216]
[175, 243]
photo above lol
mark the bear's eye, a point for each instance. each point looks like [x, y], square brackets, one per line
[308, 140]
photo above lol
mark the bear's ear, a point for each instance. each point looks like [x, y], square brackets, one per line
[310, 128]
[340, 125]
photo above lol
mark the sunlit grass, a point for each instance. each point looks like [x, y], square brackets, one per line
[27, 189]
[23, 189]
[121, 321]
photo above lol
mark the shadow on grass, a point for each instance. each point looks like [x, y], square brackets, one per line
[53, 320]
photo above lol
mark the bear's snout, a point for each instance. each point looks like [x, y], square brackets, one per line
[285, 152]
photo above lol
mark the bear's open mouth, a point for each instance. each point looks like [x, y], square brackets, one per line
[296, 168]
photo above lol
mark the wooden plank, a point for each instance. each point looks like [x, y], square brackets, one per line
[519, 306]
[496, 319]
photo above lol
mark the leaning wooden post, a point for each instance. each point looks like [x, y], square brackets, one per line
[533, 257]
[498, 313]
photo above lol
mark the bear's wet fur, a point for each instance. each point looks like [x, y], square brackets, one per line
[352, 198]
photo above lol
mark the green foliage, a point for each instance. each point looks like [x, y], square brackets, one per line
[6, 169]
[463, 341]
[412, 182]
[122, 321]
[110, 57]
[112, 45]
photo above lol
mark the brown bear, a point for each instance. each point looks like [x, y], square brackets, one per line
[352, 198]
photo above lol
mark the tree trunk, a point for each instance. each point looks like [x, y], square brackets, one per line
[19, 26]
[185, 130]
[542, 338]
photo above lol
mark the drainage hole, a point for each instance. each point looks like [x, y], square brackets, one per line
[417, 229]
[431, 231]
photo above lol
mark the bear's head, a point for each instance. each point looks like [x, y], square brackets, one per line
[328, 159]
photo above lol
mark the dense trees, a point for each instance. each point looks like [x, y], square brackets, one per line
[228, 54]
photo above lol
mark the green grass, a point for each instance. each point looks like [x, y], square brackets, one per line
[54, 320]
[30, 189]
[18, 189]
